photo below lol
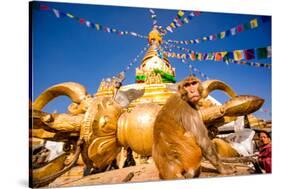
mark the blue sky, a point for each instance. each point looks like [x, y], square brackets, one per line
[65, 50]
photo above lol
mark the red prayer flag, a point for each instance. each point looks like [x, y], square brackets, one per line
[196, 13]
[249, 54]
[44, 7]
[240, 28]
[82, 21]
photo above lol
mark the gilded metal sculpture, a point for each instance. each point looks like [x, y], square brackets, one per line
[121, 116]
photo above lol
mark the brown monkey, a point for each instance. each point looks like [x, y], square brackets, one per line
[180, 138]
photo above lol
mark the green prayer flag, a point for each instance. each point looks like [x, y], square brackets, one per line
[247, 26]
[261, 52]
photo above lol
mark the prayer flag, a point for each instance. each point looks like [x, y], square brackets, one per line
[183, 56]
[180, 13]
[151, 11]
[247, 26]
[227, 33]
[205, 56]
[44, 7]
[228, 56]
[240, 28]
[133, 34]
[223, 54]
[192, 14]
[88, 23]
[205, 38]
[199, 56]
[192, 56]
[185, 20]
[210, 56]
[56, 12]
[222, 35]
[82, 21]
[172, 25]
[233, 31]
[69, 15]
[197, 13]
[197, 40]
[238, 55]
[97, 26]
[218, 56]
[254, 23]
[261, 53]
[249, 54]
[169, 28]
[178, 22]
[269, 52]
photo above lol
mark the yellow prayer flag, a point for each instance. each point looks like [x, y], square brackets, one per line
[254, 23]
[180, 13]
[172, 25]
[222, 34]
[185, 20]
[183, 56]
[223, 53]
[69, 15]
[238, 55]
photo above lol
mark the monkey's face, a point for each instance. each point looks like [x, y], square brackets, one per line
[192, 89]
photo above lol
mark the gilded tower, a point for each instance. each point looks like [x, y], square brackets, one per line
[155, 67]
[154, 74]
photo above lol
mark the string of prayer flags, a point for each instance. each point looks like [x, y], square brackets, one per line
[180, 20]
[237, 55]
[153, 17]
[252, 24]
[192, 68]
[89, 24]
[154, 22]
[227, 57]
[135, 59]
[219, 56]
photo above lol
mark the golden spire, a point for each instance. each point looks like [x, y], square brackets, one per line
[154, 37]
[155, 61]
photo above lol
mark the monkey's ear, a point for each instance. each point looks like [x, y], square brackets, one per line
[174, 86]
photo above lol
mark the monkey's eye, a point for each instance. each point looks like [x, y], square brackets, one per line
[190, 83]
[194, 83]
[186, 85]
